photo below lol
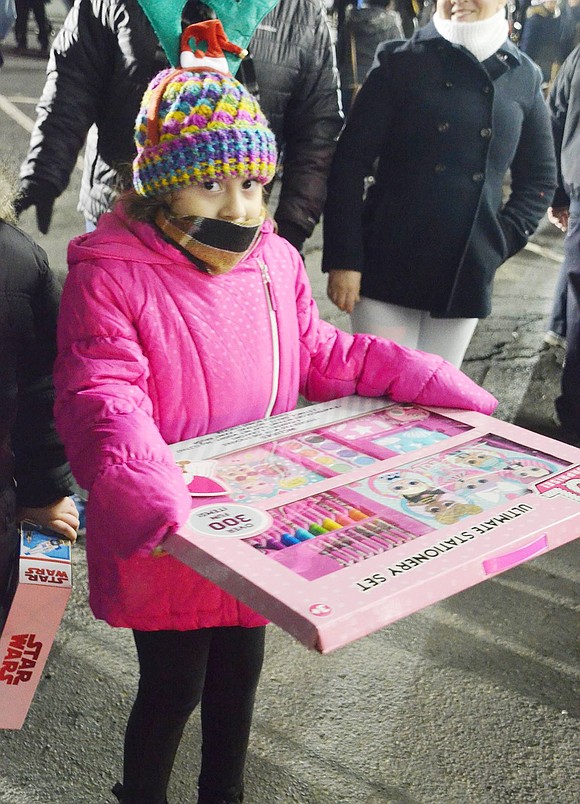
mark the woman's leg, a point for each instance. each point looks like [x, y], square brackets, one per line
[448, 337]
[557, 322]
[568, 403]
[172, 670]
[21, 24]
[233, 669]
[399, 324]
[39, 10]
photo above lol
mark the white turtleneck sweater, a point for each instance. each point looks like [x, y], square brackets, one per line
[482, 38]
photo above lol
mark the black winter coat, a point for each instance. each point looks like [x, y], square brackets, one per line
[106, 54]
[446, 129]
[363, 31]
[541, 39]
[33, 471]
[564, 103]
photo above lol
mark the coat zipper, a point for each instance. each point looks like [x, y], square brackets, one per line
[275, 336]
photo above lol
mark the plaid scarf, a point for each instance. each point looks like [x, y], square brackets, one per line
[215, 246]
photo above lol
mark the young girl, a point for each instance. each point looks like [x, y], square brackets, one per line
[182, 314]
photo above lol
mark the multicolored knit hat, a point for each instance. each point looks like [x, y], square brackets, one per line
[204, 125]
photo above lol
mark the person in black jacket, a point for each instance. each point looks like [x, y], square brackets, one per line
[99, 67]
[35, 480]
[542, 34]
[564, 104]
[365, 27]
[446, 114]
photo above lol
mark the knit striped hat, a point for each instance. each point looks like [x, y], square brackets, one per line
[198, 126]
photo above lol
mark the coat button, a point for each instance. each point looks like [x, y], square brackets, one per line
[485, 133]
[486, 90]
[448, 84]
[440, 168]
[478, 177]
[442, 127]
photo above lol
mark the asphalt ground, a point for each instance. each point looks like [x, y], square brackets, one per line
[470, 701]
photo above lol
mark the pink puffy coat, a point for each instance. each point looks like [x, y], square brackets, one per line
[153, 351]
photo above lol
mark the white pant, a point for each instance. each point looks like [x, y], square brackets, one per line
[448, 337]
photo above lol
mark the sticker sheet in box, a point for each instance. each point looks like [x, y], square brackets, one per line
[340, 518]
[40, 589]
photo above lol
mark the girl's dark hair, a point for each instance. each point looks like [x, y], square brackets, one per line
[142, 208]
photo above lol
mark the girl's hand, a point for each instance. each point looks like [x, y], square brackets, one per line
[61, 516]
[343, 289]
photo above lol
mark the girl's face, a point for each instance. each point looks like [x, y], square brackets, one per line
[238, 200]
[468, 10]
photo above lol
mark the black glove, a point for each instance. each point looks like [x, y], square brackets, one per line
[292, 233]
[39, 194]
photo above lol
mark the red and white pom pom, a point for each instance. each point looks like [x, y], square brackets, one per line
[212, 58]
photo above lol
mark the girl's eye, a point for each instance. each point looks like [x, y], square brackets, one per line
[249, 184]
[211, 186]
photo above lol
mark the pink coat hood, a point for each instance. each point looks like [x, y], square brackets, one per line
[153, 351]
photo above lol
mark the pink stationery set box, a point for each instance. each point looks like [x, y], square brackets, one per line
[340, 518]
[41, 588]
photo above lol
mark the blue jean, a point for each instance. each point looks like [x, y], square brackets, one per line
[557, 321]
[568, 403]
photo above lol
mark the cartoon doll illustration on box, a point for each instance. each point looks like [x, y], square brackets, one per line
[259, 474]
[418, 497]
[441, 506]
[477, 457]
[529, 469]
[485, 490]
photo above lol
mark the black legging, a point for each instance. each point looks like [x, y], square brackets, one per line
[220, 667]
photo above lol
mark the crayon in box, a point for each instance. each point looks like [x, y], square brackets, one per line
[340, 518]
[39, 590]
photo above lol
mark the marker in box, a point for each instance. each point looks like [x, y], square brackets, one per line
[333, 546]
[336, 508]
[338, 519]
[288, 540]
[364, 546]
[378, 537]
[386, 530]
[365, 539]
[339, 544]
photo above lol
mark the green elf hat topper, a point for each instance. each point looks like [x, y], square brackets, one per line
[239, 19]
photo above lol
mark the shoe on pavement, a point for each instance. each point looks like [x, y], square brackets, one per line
[552, 338]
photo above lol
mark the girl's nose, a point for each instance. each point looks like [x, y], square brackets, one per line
[233, 208]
